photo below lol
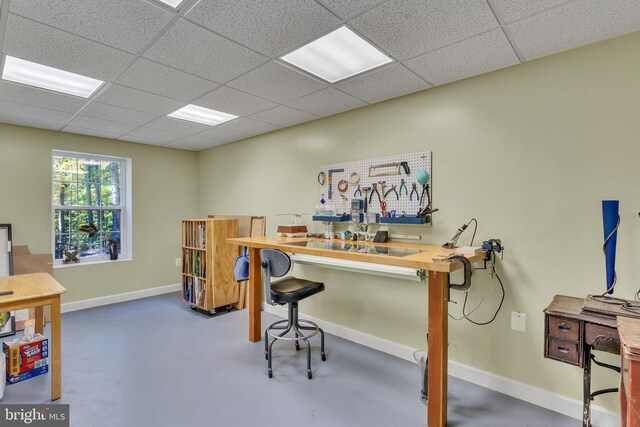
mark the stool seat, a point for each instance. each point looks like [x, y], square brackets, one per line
[292, 289]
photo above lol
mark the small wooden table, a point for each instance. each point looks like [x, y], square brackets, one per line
[416, 256]
[629, 330]
[37, 290]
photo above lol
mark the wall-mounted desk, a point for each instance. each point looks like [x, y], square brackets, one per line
[394, 254]
[38, 290]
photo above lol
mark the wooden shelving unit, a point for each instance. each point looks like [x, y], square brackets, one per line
[207, 263]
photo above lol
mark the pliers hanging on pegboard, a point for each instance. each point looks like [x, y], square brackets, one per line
[358, 191]
[392, 190]
[414, 190]
[402, 185]
[375, 190]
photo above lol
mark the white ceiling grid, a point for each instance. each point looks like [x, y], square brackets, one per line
[223, 54]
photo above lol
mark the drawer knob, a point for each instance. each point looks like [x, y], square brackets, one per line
[563, 350]
[564, 327]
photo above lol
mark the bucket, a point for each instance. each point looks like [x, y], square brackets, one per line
[421, 358]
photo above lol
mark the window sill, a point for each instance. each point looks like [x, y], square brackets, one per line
[86, 263]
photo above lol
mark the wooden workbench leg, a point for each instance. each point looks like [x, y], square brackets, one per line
[255, 279]
[437, 350]
[55, 351]
[40, 319]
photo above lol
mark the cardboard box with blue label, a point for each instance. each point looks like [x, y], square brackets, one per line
[26, 359]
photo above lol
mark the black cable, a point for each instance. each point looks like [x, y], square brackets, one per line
[474, 230]
[464, 305]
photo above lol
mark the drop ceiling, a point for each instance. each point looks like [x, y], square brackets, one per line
[224, 55]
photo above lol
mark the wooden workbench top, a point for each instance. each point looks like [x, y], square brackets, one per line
[629, 330]
[29, 286]
[409, 255]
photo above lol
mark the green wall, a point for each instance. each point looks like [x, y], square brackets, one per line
[530, 151]
[164, 192]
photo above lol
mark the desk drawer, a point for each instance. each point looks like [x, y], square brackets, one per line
[602, 338]
[567, 329]
[564, 351]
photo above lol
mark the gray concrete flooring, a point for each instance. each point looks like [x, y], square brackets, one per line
[154, 362]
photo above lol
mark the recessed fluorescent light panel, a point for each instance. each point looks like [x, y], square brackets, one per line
[173, 3]
[338, 55]
[206, 116]
[38, 75]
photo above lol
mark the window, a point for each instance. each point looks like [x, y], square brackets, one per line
[91, 206]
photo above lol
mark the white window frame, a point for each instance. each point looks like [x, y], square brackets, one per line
[126, 235]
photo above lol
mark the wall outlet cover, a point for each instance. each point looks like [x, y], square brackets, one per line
[518, 321]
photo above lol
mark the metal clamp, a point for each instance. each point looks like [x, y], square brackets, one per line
[467, 273]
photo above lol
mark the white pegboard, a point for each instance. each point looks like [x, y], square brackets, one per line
[416, 161]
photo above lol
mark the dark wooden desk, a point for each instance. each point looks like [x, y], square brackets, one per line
[571, 335]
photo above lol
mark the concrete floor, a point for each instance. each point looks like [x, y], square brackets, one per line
[154, 362]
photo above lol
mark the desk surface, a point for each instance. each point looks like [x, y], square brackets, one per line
[571, 307]
[29, 286]
[629, 330]
[409, 255]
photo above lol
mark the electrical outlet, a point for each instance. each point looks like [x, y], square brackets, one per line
[518, 321]
[178, 262]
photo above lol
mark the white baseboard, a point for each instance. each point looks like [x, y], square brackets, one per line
[600, 417]
[112, 299]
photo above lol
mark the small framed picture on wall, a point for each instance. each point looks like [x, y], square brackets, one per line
[7, 318]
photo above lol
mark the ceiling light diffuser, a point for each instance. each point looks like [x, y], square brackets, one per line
[173, 3]
[206, 116]
[338, 55]
[44, 77]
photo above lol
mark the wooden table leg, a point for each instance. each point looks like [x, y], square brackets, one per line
[437, 350]
[40, 319]
[55, 351]
[255, 279]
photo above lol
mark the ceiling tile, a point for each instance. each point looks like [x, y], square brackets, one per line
[327, 101]
[573, 25]
[277, 83]
[34, 113]
[124, 24]
[514, 10]
[193, 49]
[182, 127]
[152, 136]
[102, 125]
[270, 27]
[346, 9]
[408, 28]
[247, 127]
[91, 132]
[139, 100]
[477, 55]
[117, 114]
[36, 42]
[166, 81]
[27, 121]
[234, 102]
[284, 116]
[215, 135]
[185, 144]
[386, 82]
[40, 98]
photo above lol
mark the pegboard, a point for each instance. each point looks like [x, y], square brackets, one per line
[415, 161]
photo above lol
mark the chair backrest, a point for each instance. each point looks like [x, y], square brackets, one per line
[275, 263]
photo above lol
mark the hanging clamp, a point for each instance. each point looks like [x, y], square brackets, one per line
[467, 273]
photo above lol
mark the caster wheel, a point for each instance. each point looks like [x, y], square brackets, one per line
[309, 374]
[212, 312]
[193, 307]
[323, 356]
[270, 373]
[229, 308]
[297, 346]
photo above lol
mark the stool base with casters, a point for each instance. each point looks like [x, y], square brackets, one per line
[296, 326]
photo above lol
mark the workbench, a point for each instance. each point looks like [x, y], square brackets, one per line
[395, 254]
[629, 330]
[38, 290]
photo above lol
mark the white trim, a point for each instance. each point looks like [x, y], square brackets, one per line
[113, 299]
[88, 261]
[600, 417]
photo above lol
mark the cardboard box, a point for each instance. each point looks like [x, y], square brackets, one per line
[26, 359]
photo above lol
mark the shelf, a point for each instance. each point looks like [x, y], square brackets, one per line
[195, 277]
[194, 249]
